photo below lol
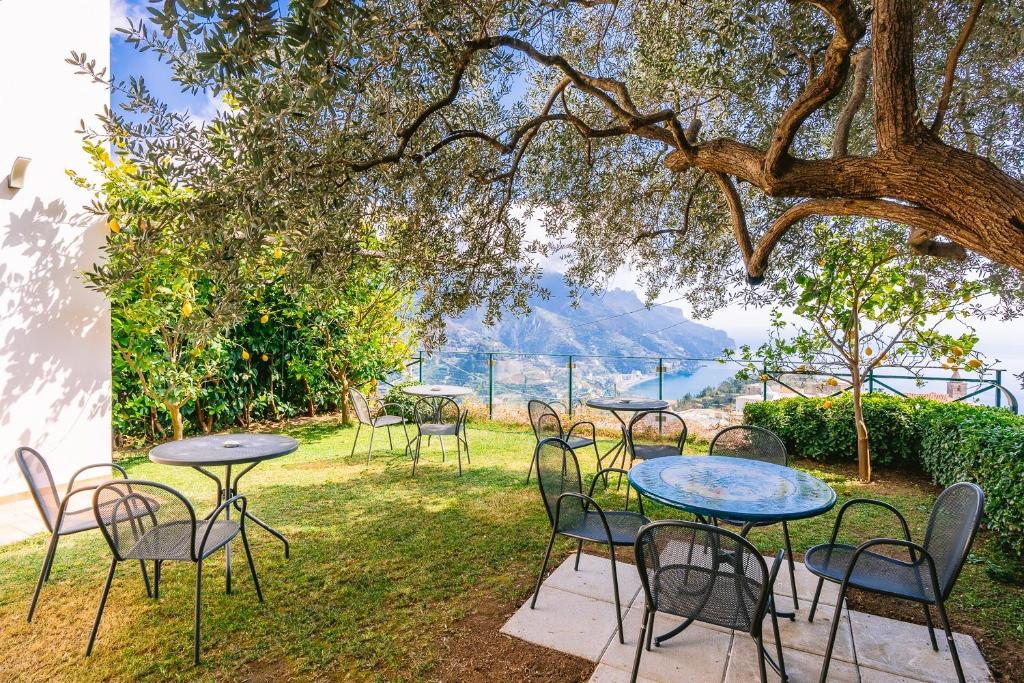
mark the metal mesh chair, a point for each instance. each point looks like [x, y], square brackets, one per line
[655, 434]
[440, 417]
[756, 443]
[707, 574]
[365, 415]
[547, 424]
[144, 520]
[926, 575]
[59, 518]
[578, 516]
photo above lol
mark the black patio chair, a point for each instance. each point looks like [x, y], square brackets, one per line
[440, 417]
[756, 443]
[707, 574]
[578, 516]
[655, 434]
[547, 424]
[144, 520]
[365, 416]
[53, 508]
[926, 576]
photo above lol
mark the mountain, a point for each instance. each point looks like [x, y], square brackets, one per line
[614, 323]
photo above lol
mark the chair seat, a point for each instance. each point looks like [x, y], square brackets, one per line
[388, 420]
[873, 571]
[84, 519]
[650, 452]
[170, 541]
[433, 429]
[579, 442]
[624, 526]
[714, 596]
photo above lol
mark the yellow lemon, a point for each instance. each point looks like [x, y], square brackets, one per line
[869, 351]
[765, 378]
[832, 382]
[264, 357]
[245, 355]
[974, 364]
[957, 351]
[967, 298]
[826, 404]
[278, 253]
[264, 318]
[114, 226]
[186, 309]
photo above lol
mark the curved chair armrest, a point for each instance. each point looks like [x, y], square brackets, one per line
[869, 501]
[587, 502]
[773, 574]
[71, 482]
[625, 473]
[234, 500]
[582, 423]
[914, 548]
[381, 405]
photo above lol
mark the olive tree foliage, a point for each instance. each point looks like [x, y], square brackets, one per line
[866, 304]
[687, 139]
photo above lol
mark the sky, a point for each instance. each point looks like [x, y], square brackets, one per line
[1000, 340]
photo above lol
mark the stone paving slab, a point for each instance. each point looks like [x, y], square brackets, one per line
[573, 615]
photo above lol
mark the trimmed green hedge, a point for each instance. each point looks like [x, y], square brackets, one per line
[950, 441]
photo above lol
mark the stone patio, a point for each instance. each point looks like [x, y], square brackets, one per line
[575, 614]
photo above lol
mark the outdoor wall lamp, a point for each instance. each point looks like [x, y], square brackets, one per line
[16, 180]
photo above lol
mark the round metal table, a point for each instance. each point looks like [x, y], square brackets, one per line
[437, 390]
[227, 450]
[737, 489]
[624, 404]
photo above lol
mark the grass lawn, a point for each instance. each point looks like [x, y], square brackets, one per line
[391, 577]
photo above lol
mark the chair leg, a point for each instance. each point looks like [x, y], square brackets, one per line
[530, 471]
[391, 443]
[440, 440]
[778, 640]
[458, 452]
[103, 602]
[145, 578]
[814, 603]
[832, 634]
[198, 613]
[615, 589]
[465, 442]
[156, 579]
[760, 659]
[416, 456]
[931, 627]
[355, 440]
[644, 636]
[252, 565]
[792, 567]
[940, 605]
[44, 571]
[579, 551]
[543, 568]
[373, 430]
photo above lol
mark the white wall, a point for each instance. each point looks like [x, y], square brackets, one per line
[54, 333]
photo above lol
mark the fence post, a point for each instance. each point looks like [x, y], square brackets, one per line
[871, 381]
[490, 386]
[570, 385]
[421, 366]
[661, 380]
[999, 392]
[764, 382]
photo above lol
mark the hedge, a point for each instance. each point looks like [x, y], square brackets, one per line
[950, 441]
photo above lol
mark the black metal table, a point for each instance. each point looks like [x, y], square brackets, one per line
[227, 450]
[616, 405]
[722, 487]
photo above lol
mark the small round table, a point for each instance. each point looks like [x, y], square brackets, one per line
[616, 405]
[227, 450]
[437, 390]
[723, 487]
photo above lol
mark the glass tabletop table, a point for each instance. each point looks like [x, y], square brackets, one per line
[617, 405]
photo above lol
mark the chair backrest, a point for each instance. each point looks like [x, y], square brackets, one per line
[951, 529]
[750, 442]
[703, 572]
[558, 472]
[544, 420]
[440, 410]
[150, 518]
[40, 483]
[359, 405]
[657, 426]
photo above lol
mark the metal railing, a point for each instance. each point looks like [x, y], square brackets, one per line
[507, 377]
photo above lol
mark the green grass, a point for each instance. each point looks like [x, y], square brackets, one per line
[383, 566]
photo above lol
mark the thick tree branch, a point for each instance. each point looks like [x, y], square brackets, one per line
[951, 61]
[861, 74]
[848, 30]
[739, 220]
[897, 121]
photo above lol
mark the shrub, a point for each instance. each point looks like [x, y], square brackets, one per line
[950, 441]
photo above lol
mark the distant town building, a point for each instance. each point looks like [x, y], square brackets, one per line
[956, 387]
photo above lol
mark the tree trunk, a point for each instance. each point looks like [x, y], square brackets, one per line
[177, 424]
[346, 416]
[863, 450]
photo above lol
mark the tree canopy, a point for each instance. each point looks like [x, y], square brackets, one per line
[686, 139]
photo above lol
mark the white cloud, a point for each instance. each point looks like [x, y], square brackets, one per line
[123, 11]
